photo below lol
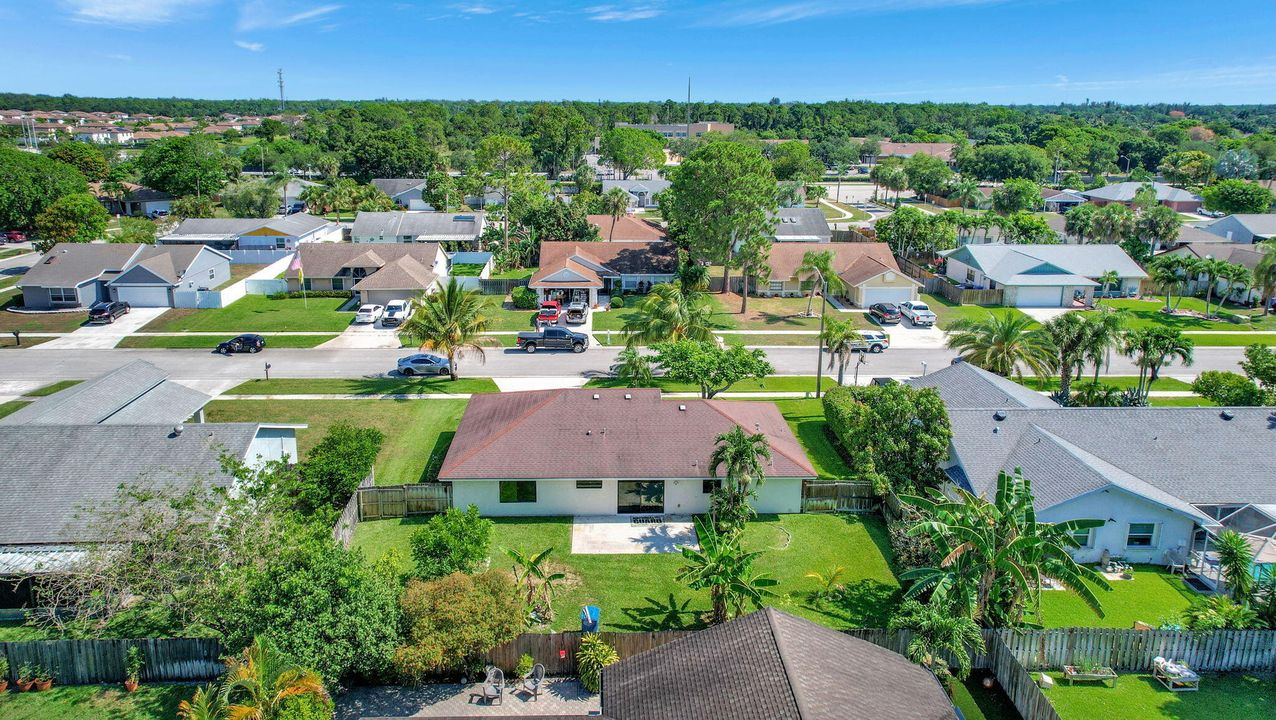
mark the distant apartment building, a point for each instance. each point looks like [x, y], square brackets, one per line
[682, 130]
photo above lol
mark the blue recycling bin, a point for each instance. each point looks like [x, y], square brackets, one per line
[589, 619]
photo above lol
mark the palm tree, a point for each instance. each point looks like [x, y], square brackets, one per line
[1079, 222]
[1107, 280]
[634, 369]
[451, 321]
[261, 678]
[538, 579]
[615, 203]
[741, 456]
[1096, 394]
[1003, 343]
[842, 339]
[205, 705]
[692, 277]
[1102, 335]
[995, 554]
[821, 262]
[1236, 561]
[1235, 278]
[1212, 269]
[722, 566]
[937, 633]
[1265, 273]
[1151, 348]
[1167, 274]
[966, 193]
[1069, 334]
[667, 313]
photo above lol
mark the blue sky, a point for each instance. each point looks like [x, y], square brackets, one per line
[998, 51]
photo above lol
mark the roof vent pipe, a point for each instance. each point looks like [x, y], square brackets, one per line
[177, 430]
[595, 396]
[682, 408]
[1226, 415]
[999, 415]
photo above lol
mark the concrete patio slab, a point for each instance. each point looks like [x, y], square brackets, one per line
[619, 535]
[561, 696]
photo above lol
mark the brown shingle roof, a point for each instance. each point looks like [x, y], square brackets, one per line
[503, 436]
[853, 262]
[328, 259]
[404, 273]
[628, 258]
[628, 229]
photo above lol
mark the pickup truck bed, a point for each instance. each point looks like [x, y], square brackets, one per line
[553, 338]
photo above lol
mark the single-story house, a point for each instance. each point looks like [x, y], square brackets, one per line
[1245, 255]
[868, 269]
[137, 201]
[132, 394]
[1043, 275]
[103, 134]
[405, 192]
[585, 271]
[1244, 228]
[1151, 474]
[630, 453]
[1124, 192]
[774, 666]
[682, 130]
[886, 148]
[418, 227]
[1059, 201]
[642, 193]
[375, 274]
[627, 228]
[274, 233]
[800, 224]
[79, 274]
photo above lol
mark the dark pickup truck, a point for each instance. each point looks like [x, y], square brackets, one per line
[553, 338]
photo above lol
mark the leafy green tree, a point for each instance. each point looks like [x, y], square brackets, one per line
[629, 150]
[692, 277]
[451, 321]
[1219, 613]
[269, 129]
[334, 468]
[927, 174]
[1028, 228]
[936, 635]
[441, 192]
[449, 623]
[1187, 167]
[566, 222]
[559, 136]
[1237, 196]
[895, 435]
[86, 158]
[904, 230]
[792, 161]
[741, 457]
[1237, 164]
[136, 230]
[1016, 195]
[193, 206]
[1003, 343]
[505, 161]
[252, 199]
[453, 541]
[77, 218]
[1151, 348]
[709, 367]
[186, 165]
[634, 369]
[967, 193]
[1260, 366]
[30, 183]
[1229, 389]
[722, 566]
[669, 314]
[1002, 162]
[996, 554]
[1079, 222]
[722, 193]
[539, 581]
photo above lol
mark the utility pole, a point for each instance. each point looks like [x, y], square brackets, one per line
[280, 73]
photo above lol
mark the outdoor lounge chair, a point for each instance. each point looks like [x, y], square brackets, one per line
[1176, 677]
[494, 686]
[534, 681]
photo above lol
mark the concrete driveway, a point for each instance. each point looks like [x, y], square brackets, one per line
[1042, 315]
[910, 336]
[99, 337]
[365, 337]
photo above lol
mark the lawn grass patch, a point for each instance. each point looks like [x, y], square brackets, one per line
[51, 388]
[96, 702]
[1221, 697]
[417, 432]
[640, 592]
[60, 322]
[13, 252]
[505, 317]
[1147, 313]
[1151, 596]
[9, 281]
[1232, 340]
[8, 408]
[188, 342]
[1121, 382]
[20, 631]
[519, 274]
[615, 320]
[774, 384]
[7, 342]
[363, 386]
[948, 312]
[466, 269]
[772, 340]
[1193, 401]
[806, 419]
[767, 313]
[258, 313]
[979, 703]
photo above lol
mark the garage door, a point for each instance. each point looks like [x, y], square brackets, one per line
[871, 295]
[1039, 297]
[143, 296]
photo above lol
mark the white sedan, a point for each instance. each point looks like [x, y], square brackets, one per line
[917, 312]
[369, 314]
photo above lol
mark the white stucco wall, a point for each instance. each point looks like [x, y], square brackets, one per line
[272, 443]
[1174, 529]
[562, 497]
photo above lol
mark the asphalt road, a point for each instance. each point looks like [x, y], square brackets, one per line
[210, 371]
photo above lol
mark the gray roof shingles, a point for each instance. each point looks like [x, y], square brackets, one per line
[966, 385]
[800, 222]
[416, 224]
[138, 392]
[71, 264]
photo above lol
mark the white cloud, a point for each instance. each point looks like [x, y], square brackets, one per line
[475, 9]
[744, 14]
[265, 15]
[612, 13]
[250, 46]
[130, 13]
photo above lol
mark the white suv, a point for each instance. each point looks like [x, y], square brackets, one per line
[875, 340]
[368, 314]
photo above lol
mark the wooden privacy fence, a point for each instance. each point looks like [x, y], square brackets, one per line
[968, 297]
[1015, 680]
[852, 235]
[398, 501]
[839, 497]
[1134, 650]
[557, 651]
[343, 531]
[87, 662]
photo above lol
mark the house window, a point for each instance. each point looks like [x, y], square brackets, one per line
[1141, 535]
[281, 243]
[63, 295]
[589, 484]
[518, 491]
[338, 283]
[776, 286]
[212, 273]
[1084, 538]
[305, 284]
[970, 275]
[708, 486]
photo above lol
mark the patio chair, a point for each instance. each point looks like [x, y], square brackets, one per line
[534, 681]
[494, 686]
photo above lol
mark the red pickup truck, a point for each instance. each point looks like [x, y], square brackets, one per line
[550, 310]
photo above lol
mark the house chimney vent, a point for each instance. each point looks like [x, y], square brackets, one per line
[1227, 415]
[177, 430]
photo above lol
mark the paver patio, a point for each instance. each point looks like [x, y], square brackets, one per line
[617, 535]
[561, 696]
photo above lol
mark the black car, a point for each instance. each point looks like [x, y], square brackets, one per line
[885, 313]
[243, 343]
[107, 310]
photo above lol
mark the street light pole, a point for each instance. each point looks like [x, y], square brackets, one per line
[819, 351]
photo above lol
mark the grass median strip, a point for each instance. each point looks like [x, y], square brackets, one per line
[258, 313]
[363, 386]
[51, 388]
[12, 406]
[188, 342]
[779, 383]
[1231, 340]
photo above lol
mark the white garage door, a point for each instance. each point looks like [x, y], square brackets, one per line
[886, 295]
[143, 296]
[1039, 297]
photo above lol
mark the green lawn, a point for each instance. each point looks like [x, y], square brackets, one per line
[258, 313]
[96, 702]
[44, 322]
[417, 432]
[8, 281]
[1221, 697]
[11, 407]
[362, 386]
[520, 274]
[1237, 340]
[1151, 596]
[506, 317]
[1120, 382]
[806, 419]
[1147, 313]
[832, 213]
[8, 342]
[615, 319]
[18, 631]
[979, 703]
[210, 342]
[13, 252]
[779, 383]
[640, 592]
[466, 270]
[771, 340]
[51, 388]
[948, 312]
[768, 313]
[1194, 401]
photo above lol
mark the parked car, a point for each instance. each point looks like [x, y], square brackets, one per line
[15, 236]
[369, 314]
[396, 313]
[107, 310]
[292, 208]
[550, 310]
[918, 313]
[885, 313]
[423, 364]
[577, 313]
[875, 340]
[553, 338]
[157, 214]
[248, 343]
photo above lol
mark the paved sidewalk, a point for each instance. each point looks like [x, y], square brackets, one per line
[515, 384]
